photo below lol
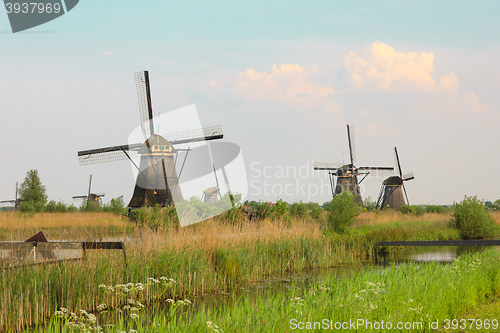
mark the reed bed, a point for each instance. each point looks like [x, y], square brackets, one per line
[70, 226]
[208, 258]
[404, 298]
[390, 216]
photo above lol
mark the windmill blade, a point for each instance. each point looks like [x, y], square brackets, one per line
[196, 135]
[408, 176]
[397, 162]
[326, 166]
[406, 195]
[90, 184]
[145, 107]
[108, 154]
[350, 138]
[377, 171]
[80, 197]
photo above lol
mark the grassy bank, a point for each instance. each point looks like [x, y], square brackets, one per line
[208, 258]
[410, 297]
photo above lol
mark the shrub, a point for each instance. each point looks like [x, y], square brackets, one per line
[299, 209]
[370, 205]
[53, 207]
[342, 211]
[436, 209]
[411, 209]
[473, 220]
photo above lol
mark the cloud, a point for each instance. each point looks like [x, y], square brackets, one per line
[381, 67]
[377, 130]
[471, 99]
[449, 82]
[108, 54]
[288, 83]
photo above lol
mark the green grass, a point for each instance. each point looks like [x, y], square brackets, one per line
[204, 265]
[419, 294]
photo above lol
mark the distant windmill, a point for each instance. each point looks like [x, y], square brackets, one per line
[391, 195]
[91, 197]
[212, 194]
[347, 175]
[157, 181]
[14, 202]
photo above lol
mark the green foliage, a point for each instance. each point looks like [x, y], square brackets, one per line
[299, 209]
[436, 209]
[115, 206]
[342, 211]
[31, 207]
[473, 220]
[32, 192]
[53, 207]
[155, 218]
[281, 208]
[411, 210]
[496, 205]
[370, 205]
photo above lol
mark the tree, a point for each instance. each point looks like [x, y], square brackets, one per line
[31, 190]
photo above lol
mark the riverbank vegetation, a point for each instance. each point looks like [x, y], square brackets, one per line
[237, 248]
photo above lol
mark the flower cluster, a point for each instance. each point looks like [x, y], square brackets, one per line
[86, 322]
[212, 326]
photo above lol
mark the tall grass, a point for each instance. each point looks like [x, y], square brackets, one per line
[207, 258]
[56, 226]
[421, 297]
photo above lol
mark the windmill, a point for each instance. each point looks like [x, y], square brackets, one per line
[347, 174]
[14, 202]
[212, 194]
[94, 198]
[157, 180]
[391, 195]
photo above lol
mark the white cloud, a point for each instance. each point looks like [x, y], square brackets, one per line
[449, 82]
[377, 130]
[108, 54]
[471, 99]
[381, 67]
[288, 83]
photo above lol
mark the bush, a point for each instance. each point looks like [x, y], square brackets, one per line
[370, 205]
[473, 220]
[411, 210]
[155, 218]
[436, 209]
[299, 209]
[31, 207]
[53, 207]
[342, 211]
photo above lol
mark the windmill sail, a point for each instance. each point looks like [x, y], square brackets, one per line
[145, 107]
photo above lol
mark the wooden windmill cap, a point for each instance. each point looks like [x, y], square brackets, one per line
[394, 181]
[154, 140]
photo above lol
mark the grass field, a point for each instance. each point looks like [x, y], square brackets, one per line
[56, 226]
[207, 258]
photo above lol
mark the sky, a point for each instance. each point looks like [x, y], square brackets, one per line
[283, 78]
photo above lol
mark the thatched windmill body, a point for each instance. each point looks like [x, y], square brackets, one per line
[157, 180]
[391, 191]
[347, 174]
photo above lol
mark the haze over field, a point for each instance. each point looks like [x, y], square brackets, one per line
[282, 78]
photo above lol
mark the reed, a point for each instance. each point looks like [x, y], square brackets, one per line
[407, 298]
[69, 226]
[207, 258]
